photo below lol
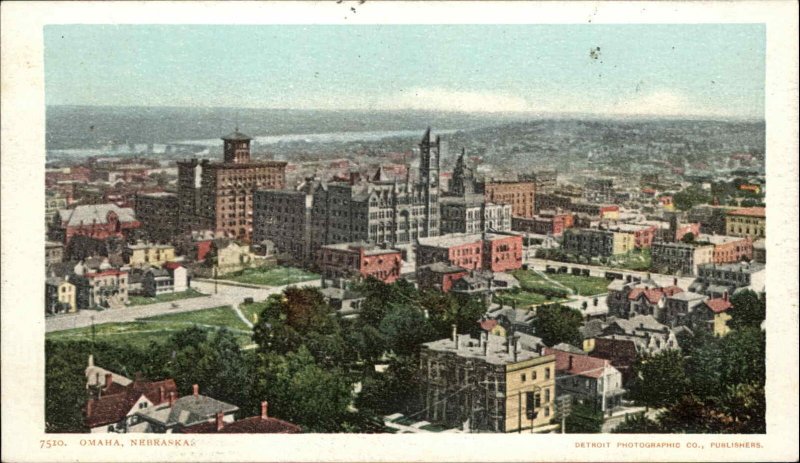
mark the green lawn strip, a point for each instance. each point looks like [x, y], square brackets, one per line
[274, 276]
[217, 316]
[583, 286]
[169, 297]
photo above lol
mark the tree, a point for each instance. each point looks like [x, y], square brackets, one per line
[405, 328]
[688, 237]
[637, 424]
[659, 380]
[302, 392]
[65, 394]
[398, 389]
[583, 419]
[748, 309]
[557, 323]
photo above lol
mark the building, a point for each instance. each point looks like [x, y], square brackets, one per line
[599, 190]
[729, 248]
[177, 414]
[545, 223]
[348, 260]
[484, 283]
[750, 222]
[643, 235]
[59, 296]
[105, 287]
[679, 308]
[219, 196]
[53, 252]
[648, 335]
[597, 243]
[471, 214]
[599, 211]
[114, 407]
[680, 258]
[545, 181]
[96, 221]
[262, 424]
[228, 256]
[760, 251]
[439, 276]
[54, 202]
[711, 218]
[649, 301]
[170, 279]
[144, 254]
[714, 280]
[284, 217]
[520, 195]
[589, 380]
[621, 353]
[553, 201]
[158, 215]
[488, 251]
[489, 384]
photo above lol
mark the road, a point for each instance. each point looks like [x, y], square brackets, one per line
[599, 271]
[226, 295]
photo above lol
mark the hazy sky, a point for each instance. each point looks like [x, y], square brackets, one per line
[712, 70]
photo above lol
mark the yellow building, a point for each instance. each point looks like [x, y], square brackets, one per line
[750, 221]
[156, 255]
[489, 384]
[623, 243]
[59, 296]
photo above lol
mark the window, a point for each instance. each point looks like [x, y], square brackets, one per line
[522, 377]
[547, 373]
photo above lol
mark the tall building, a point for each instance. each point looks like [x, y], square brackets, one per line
[520, 195]
[158, 214]
[219, 196]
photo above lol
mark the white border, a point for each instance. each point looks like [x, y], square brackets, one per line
[22, 226]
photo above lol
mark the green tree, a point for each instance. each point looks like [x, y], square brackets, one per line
[65, 393]
[405, 328]
[398, 389]
[584, 419]
[688, 237]
[638, 424]
[557, 323]
[302, 392]
[748, 310]
[659, 380]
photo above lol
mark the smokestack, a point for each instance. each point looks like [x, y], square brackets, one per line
[195, 390]
[514, 349]
[108, 380]
[264, 406]
[220, 420]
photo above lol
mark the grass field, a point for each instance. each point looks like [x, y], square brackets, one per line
[636, 260]
[143, 300]
[583, 286]
[273, 276]
[142, 332]
[523, 299]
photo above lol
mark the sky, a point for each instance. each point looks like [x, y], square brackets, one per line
[645, 70]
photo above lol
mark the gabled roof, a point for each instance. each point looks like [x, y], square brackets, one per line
[582, 364]
[114, 408]
[252, 425]
[718, 305]
[653, 295]
[95, 213]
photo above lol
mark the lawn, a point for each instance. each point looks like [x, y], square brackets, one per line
[273, 276]
[583, 286]
[252, 311]
[522, 299]
[144, 300]
[636, 260]
[142, 332]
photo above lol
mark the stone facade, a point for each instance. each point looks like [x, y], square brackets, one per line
[680, 258]
[472, 215]
[750, 222]
[597, 243]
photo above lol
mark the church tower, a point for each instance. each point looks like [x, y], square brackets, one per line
[429, 155]
[463, 181]
[236, 148]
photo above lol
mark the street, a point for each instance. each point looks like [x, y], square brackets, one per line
[226, 295]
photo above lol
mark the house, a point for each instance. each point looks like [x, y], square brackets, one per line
[59, 296]
[262, 424]
[713, 315]
[650, 301]
[171, 278]
[105, 287]
[588, 379]
[115, 406]
[679, 308]
[509, 321]
[484, 283]
[439, 276]
[620, 352]
[142, 254]
[645, 331]
[177, 414]
[716, 279]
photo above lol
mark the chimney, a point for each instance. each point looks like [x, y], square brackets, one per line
[220, 420]
[725, 296]
[91, 360]
[264, 406]
[514, 349]
[675, 281]
[89, 407]
[570, 363]
[485, 343]
[161, 395]
[455, 335]
[108, 380]
[195, 390]
[172, 398]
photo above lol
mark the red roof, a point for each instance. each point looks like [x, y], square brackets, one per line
[488, 325]
[113, 408]
[252, 425]
[105, 273]
[719, 305]
[172, 265]
[582, 365]
[750, 211]
[653, 295]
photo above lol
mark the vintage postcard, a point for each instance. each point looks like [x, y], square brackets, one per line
[368, 231]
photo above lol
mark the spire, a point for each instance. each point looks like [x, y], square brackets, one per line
[426, 139]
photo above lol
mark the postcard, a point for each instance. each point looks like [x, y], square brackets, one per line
[378, 231]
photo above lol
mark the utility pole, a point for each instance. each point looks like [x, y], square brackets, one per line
[93, 334]
[519, 412]
[215, 279]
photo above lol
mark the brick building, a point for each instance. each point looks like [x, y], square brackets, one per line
[96, 221]
[750, 222]
[347, 260]
[439, 276]
[520, 195]
[284, 217]
[729, 248]
[545, 223]
[597, 243]
[158, 214]
[680, 258]
[488, 251]
[219, 196]
[643, 235]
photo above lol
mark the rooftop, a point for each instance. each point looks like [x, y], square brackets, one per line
[750, 212]
[369, 249]
[236, 136]
[497, 352]
[742, 267]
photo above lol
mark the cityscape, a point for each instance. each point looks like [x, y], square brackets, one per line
[404, 269]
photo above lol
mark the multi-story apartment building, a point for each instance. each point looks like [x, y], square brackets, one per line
[149, 254]
[494, 384]
[545, 223]
[680, 258]
[597, 243]
[488, 251]
[711, 218]
[643, 235]
[106, 287]
[729, 248]
[519, 194]
[219, 196]
[158, 214]
[750, 222]
[348, 260]
[552, 201]
[545, 181]
[471, 214]
[715, 280]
